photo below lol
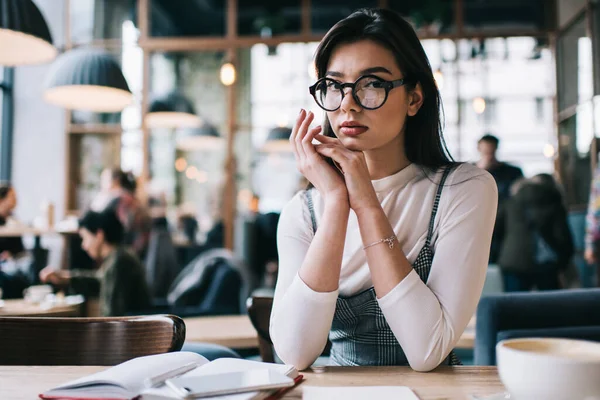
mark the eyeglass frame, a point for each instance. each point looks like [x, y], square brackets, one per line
[389, 85]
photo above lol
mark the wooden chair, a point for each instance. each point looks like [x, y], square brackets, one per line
[87, 341]
[259, 311]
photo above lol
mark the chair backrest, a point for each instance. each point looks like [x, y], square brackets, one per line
[87, 341]
[161, 263]
[558, 313]
[259, 311]
[213, 282]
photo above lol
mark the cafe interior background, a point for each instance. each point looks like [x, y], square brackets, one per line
[211, 89]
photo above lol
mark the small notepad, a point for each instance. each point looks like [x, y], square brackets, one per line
[357, 393]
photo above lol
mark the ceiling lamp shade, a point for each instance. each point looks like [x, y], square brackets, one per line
[87, 80]
[172, 111]
[278, 140]
[24, 34]
[206, 137]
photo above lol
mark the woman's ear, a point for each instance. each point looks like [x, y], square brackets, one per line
[415, 100]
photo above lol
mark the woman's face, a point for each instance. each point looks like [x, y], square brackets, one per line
[106, 181]
[91, 242]
[376, 128]
[8, 203]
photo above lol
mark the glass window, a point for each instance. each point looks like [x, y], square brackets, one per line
[186, 166]
[506, 16]
[575, 169]
[497, 80]
[90, 154]
[99, 19]
[278, 90]
[186, 18]
[325, 13]
[574, 66]
[268, 18]
[429, 18]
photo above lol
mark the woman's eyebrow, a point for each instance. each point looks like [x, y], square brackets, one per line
[374, 70]
[367, 71]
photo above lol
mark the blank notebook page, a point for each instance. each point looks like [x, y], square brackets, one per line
[358, 393]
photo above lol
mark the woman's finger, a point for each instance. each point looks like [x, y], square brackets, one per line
[327, 139]
[334, 153]
[307, 144]
[294, 133]
[302, 132]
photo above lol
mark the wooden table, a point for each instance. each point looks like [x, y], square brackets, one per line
[467, 340]
[233, 331]
[237, 332]
[445, 383]
[21, 308]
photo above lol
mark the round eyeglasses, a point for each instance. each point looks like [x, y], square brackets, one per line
[369, 91]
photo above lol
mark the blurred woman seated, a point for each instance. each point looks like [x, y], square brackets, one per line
[123, 288]
[118, 194]
[538, 245]
[10, 247]
[14, 260]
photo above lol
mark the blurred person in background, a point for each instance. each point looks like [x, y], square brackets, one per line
[538, 245]
[120, 277]
[592, 226]
[10, 247]
[118, 193]
[505, 175]
[14, 277]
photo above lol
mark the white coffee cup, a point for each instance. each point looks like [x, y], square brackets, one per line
[548, 368]
[37, 293]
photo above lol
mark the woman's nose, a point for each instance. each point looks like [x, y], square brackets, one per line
[348, 102]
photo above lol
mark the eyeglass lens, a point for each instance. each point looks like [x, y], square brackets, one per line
[370, 92]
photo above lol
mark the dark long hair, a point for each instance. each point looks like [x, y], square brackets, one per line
[5, 189]
[126, 179]
[423, 140]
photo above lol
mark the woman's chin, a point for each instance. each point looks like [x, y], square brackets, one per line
[352, 144]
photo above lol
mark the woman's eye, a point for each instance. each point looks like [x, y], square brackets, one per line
[374, 84]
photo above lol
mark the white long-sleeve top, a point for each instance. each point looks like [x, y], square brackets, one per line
[426, 319]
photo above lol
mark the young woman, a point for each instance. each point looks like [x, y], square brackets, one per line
[387, 254]
[118, 193]
[120, 277]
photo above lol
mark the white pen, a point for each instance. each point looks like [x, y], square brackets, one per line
[160, 379]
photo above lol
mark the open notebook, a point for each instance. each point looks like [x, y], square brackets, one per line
[127, 380]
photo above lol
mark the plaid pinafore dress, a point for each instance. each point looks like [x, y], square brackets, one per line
[359, 334]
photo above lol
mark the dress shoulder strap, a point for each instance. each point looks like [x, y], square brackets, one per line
[436, 203]
[311, 209]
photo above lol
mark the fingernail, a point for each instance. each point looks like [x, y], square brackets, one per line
[301, 111]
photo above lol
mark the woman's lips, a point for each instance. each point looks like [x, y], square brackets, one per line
[353, 130]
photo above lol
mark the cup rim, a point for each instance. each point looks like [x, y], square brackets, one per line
[503, 344]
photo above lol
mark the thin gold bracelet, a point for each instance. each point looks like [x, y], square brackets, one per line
[390, 242]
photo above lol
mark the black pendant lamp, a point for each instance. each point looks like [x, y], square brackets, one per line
[205, 137]
[278, 140]
[172, 111]
[87, 80]
[24, 34]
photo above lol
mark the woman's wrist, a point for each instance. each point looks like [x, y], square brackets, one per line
[369, 212]
[337, 201]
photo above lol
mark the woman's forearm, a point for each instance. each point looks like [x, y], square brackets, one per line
[388, 266]
[305, 297]
[321, 267]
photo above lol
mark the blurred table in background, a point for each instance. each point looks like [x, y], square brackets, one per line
[72, 306]
[467, 339]
[233, 331]
[237, 332]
